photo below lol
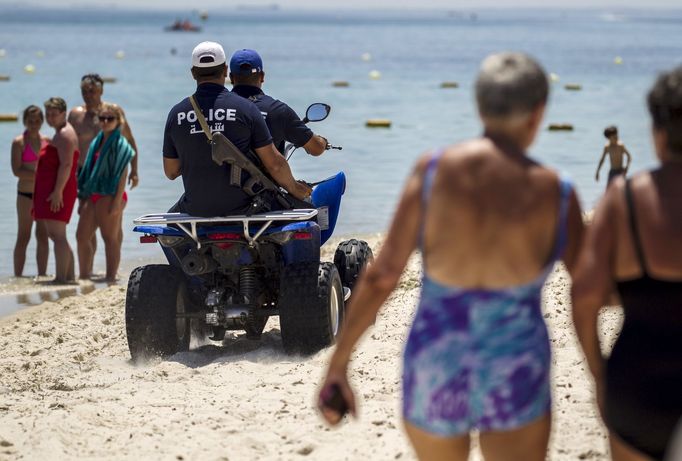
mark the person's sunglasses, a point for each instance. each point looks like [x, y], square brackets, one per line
[106, 118]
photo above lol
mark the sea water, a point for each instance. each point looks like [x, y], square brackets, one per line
[613, 55]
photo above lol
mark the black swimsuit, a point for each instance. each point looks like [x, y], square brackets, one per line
[644, 371]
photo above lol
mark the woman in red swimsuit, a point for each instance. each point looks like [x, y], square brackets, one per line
[24, 161]
[101, 189]
[55, 187]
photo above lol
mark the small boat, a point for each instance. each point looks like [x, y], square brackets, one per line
[182, 26]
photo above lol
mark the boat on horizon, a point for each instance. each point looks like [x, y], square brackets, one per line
[182, 26]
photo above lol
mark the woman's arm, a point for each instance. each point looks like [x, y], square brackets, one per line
[593, 279]
[127, 133]
[376, 282]
[576, 229]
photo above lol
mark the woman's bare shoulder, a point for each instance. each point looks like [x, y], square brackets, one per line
[18, 141]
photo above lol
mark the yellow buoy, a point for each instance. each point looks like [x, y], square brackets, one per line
[449, 85]
[3, 53]
[378, 123]
[120, 54]
[340, 84]
[29, 68]
[4, 78]
[618, 60]
[366, 57]
[9, 117]
[560, 127]
[375, 75]
[573, 86]
[109, 79]
[553, 77]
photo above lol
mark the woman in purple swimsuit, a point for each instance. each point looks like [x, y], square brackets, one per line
[635, 245]
[25, 149]
[490, 223]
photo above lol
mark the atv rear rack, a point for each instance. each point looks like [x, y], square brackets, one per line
[182, 220]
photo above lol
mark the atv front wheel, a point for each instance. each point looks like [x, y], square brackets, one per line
[350, 258]
[156, 297]
[311, 307]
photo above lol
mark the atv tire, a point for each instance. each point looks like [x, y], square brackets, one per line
[156, 295]
[350, 258]
[311, 308]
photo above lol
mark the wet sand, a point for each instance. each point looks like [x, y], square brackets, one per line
[69, 391]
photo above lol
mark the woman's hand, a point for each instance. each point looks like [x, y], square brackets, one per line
[133, 180]
[56, 201]
[82, 204]
[339, 379]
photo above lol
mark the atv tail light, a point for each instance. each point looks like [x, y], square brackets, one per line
[148, 239]
[224, 236]
[302, 236]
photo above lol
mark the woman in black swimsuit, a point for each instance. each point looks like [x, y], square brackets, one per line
[635, 243]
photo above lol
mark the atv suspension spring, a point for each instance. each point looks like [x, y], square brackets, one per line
[247, 282]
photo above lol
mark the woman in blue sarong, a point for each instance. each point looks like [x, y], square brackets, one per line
[101, 190]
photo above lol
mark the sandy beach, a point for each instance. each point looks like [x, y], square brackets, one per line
[69, 391]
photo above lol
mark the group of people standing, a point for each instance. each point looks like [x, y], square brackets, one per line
[490, 222]
[87, 159]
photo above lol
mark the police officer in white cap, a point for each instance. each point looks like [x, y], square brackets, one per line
[186, 152]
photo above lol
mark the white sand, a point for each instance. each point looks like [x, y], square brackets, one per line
[68, 390]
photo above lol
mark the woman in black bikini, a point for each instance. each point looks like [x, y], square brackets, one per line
[25, 149]
[635, 243]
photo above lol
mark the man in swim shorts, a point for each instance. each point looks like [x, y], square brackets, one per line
[615, 150]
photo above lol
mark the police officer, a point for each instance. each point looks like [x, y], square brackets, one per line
[247, 76]
[186, 152]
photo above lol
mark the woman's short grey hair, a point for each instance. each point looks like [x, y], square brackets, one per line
[510, 84]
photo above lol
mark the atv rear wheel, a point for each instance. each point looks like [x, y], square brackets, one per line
[311, 307]
[350, 258]
[156, 295]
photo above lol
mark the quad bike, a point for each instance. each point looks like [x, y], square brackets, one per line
[234, 272]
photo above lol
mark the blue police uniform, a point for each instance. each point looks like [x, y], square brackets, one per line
[208, 191]
[283, 123]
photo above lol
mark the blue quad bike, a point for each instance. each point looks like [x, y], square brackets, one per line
[234, 272]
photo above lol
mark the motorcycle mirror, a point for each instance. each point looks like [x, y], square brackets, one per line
[317, 112]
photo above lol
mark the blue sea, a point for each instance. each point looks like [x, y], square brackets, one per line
[304, 52]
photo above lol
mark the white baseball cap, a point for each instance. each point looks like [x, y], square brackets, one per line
[208, 54]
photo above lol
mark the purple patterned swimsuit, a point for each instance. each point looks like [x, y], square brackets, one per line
[479, 358]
